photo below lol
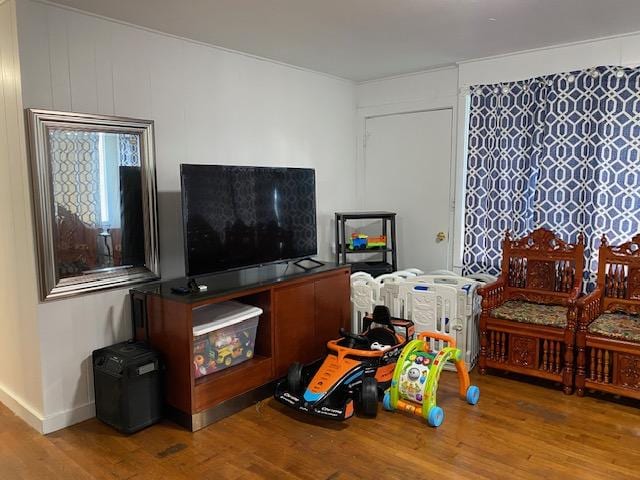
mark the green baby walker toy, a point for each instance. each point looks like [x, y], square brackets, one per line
[415, 379]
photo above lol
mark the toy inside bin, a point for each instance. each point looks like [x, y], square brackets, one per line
[224, 335]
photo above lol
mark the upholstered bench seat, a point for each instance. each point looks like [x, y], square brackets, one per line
[533, 313]
[617, 325]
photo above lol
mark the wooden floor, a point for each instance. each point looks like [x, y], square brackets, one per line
[518, 431]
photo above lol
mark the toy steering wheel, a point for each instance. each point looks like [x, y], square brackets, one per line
[355, 341]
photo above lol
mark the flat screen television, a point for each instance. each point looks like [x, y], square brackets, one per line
[236, 217]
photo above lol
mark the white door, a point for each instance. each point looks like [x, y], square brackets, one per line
[408, 171]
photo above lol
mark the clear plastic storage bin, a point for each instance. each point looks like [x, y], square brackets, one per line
[224, 335]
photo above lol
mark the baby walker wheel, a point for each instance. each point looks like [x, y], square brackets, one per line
[436, 417]
[386, 401]
[473, 395]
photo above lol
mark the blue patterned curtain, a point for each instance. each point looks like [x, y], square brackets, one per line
[559, 151]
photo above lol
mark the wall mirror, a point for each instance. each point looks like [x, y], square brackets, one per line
[94, 192]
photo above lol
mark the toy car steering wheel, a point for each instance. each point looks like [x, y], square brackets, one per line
[355, 341]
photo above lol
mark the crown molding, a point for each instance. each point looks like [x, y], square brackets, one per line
[192, 41]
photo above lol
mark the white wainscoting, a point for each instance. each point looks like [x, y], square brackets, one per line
[209, 106]
[20, 361]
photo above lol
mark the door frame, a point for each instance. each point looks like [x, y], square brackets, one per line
[456, 183]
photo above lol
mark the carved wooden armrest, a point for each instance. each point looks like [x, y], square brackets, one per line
[492, 294]
[589, 307]
[574, 295]
[572, 307]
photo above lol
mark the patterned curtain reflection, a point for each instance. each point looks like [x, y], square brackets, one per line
[129, 150]
[86, 170]
[559, 151]
[75, 174]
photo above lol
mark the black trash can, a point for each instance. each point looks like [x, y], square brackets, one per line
[128, 386]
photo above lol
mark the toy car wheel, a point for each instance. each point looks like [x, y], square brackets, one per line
[249, 354]
[227, 360]
[369, 397]
[294, 378]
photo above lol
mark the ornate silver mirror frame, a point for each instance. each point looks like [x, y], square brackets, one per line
[95, 228]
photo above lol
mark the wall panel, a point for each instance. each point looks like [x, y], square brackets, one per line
[209, 106]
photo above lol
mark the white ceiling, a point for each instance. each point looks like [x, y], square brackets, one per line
[367, 39]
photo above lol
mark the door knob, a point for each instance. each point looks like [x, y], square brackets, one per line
[441, 237]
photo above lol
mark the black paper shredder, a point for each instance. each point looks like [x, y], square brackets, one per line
[127, 379]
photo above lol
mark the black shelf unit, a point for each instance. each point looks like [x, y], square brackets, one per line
[389, 260]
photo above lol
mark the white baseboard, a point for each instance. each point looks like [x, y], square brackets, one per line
[18, 406]
[66, 418]
[50, 423]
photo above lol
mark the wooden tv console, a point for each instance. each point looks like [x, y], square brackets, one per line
[302, 311]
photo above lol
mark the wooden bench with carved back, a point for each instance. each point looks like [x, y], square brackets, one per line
[608, 338]
[528, 321]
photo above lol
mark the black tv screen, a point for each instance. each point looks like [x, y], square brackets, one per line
[238, 217]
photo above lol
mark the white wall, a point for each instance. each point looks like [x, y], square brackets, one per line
[430, 90]
[20, 384]
[448, 87]
[209, 106]
[621, 50]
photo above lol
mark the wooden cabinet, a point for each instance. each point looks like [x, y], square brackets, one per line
[301, 311]
[295, 329]
[308, 315]
[331, 310]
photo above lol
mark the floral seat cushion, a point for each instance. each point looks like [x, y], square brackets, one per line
[534, 313]
[617, 325]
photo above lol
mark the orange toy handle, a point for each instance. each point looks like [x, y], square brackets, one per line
[333, 345]
[438, 336]
[409, 407]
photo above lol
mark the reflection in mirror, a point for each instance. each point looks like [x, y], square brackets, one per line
[94, 201]
[97, 194]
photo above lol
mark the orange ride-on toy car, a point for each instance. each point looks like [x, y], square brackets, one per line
[357, 370]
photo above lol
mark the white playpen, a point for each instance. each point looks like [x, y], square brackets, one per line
[433, 308]
[442, 301]
[458, 306]
[389, 289]
[363, 299]
[367, 292]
